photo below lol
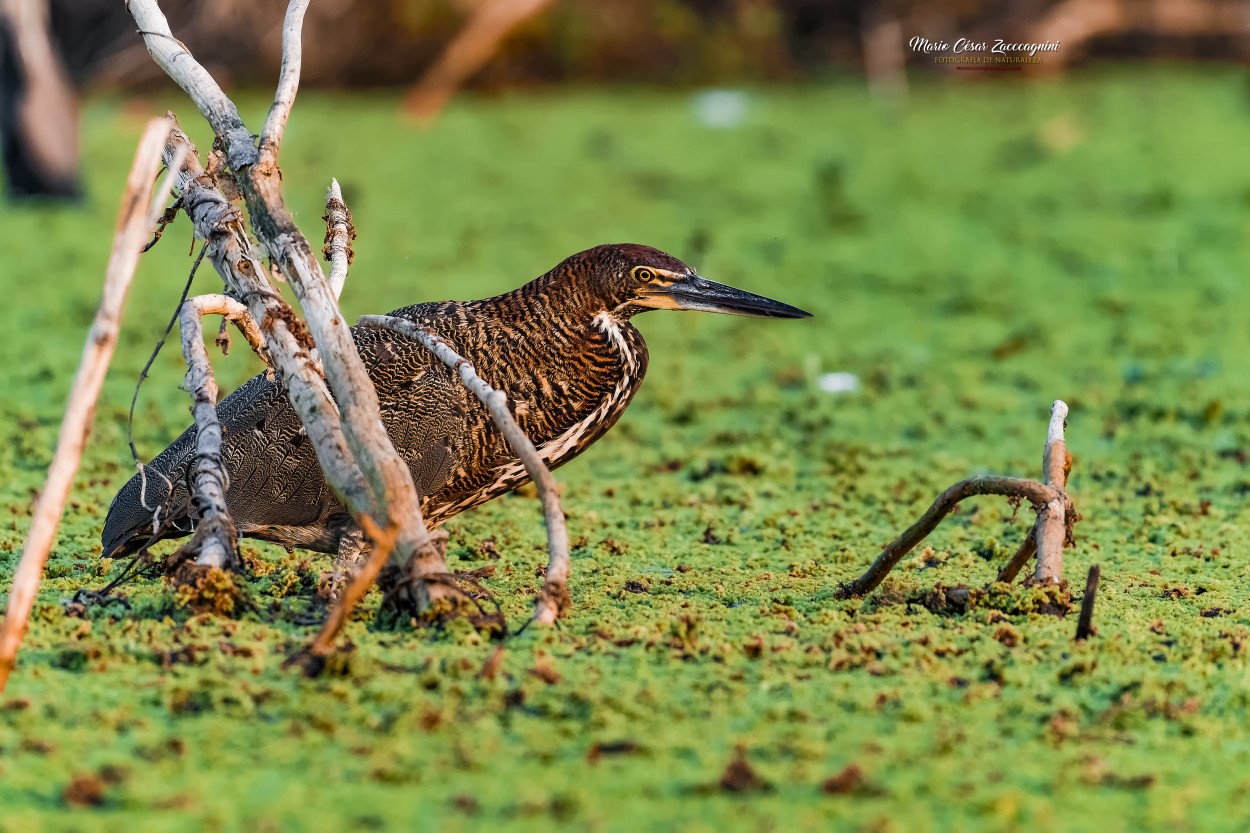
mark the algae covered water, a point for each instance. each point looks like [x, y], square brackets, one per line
[989, 249]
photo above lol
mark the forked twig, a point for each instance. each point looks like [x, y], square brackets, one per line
[1050, 534]
[132, 229]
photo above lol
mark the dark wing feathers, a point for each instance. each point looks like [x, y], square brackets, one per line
[276, 491]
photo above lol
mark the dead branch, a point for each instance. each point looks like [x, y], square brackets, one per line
[215, 534]
[387, 480]
[554, 598]
[288, 82]
[389, 493]
[472, 48]
[1051, 532]
[232, 312]
[1051, 525]
[214, 541]
[321, 647]
[1027, 549]
[339, 236]
[132, 229]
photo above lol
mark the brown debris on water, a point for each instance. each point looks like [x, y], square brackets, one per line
[207, 590]
[84, 790]
[850, 780]
[740, 777]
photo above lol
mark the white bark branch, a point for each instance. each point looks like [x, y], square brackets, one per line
[132, 231]
[214, 541]
[339, 235]
[391, 493]
[554, 598]
[1052, 530]
[288, 81]
[231, 253]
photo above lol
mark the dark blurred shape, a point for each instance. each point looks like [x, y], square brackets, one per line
[684, 42]
[491, 46]
[38, 106]
[476, 44]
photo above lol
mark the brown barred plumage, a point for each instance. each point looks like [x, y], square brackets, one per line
[561, 347]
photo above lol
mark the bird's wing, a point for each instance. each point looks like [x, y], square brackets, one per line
[276, 489]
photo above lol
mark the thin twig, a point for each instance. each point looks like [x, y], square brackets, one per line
[132, 229]
[288, 82]
[339, 236]
[554, 597]
[235, 313]
[1085, 625]
[1027, 549]
[383, 543]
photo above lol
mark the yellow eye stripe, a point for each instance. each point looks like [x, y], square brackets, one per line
[649, 274]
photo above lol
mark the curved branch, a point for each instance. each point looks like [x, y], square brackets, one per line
[554, 597]
[1036, 493]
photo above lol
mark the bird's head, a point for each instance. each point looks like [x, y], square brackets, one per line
[628, 278]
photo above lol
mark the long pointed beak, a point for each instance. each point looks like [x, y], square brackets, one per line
[695, 293]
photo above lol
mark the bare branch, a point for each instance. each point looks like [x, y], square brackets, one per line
[339, 236]
[1051, 526]
[554, 598]
[214, 541]
[172, 56]
[132, 229]
[383, 543]
[391, 492]
[1051, 532]
[288, 82]
[237, 314]
[1030, 490]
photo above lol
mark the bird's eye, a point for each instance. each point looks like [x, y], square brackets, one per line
[644, 274]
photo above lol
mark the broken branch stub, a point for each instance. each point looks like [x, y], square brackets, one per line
[339, 236]
[1049, 535]
[554, 598]
[132, 230]
[1052, 528]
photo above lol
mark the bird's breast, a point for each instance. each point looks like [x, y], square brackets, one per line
[564, 407]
